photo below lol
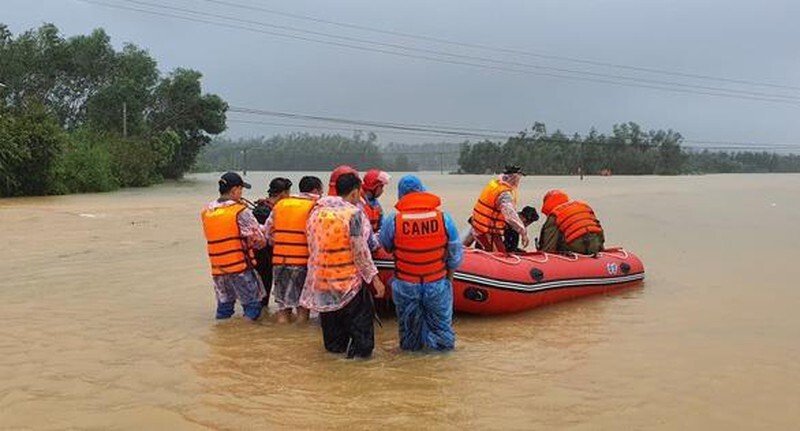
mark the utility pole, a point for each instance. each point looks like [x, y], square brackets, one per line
[244, 162]
[124, 120]
[441, 163]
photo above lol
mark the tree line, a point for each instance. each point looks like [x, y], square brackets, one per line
[628, 150]
[304, 152]
[77, 115]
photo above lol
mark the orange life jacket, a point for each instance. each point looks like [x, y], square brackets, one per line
[420, 239]
[575, 219]
[225, 243]
[290, 216]
[374, 214]
[332, 260]
[486, 215]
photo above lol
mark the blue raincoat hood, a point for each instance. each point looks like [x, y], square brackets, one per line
[409, 184]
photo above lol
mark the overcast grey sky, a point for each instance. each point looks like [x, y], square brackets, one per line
[755, 40]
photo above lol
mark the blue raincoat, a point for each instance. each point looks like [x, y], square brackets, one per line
[424, 310]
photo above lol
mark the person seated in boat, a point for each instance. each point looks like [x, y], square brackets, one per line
[372, 189]
[571, 226]
[495, 209]
[232, 234]
[528, 215]
[286, 229]
[427, 251]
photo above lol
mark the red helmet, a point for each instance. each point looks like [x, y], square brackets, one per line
[375, 178]
[552, 199]
[338, 172]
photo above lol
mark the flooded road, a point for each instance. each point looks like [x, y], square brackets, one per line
[108, 323]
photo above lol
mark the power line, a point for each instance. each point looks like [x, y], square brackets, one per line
[463, 57]
[301, 126]
[736, 94]
[459, 131]
[501, 49]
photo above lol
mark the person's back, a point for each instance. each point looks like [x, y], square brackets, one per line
[571, 226]
[232, 234]
[340, 268]
[427, 250]
[286, 227]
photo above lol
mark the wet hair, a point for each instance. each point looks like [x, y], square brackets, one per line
[528, 214]
[279, 185]
[309, 184]
[347, 183]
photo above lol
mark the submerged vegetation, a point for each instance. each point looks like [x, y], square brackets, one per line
[76, 115]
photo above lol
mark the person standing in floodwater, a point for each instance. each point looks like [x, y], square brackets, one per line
[427, 252]
[232, 235]
[286, 229]
[279, 188]
[340, 269]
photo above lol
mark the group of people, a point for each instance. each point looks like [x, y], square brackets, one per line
[495, 225]
[314, 252]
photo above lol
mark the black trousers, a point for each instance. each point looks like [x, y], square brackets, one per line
[264, 269]
[350, 329]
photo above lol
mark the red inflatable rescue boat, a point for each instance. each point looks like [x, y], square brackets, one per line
[496, 283]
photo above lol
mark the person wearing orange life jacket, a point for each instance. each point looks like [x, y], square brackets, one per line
[286, 230]
[374, 182]
[342, 170]
[495, 209]
[571, 226]
[232, 234]
[340, 269]
[427, 251]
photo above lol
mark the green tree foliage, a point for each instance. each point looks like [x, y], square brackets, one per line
[62, 114]
[86, 163]
[742, 161]
[30, 148]
[181, 107]
[628, 151]
[132, 83]
[296, 152]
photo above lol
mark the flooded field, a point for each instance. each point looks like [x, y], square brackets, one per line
[107, 323]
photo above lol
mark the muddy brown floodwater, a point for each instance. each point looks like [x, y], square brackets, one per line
[107, 323]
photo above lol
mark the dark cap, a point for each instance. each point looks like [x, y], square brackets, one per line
[279, 185]
[229, 180]
[513, 169]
